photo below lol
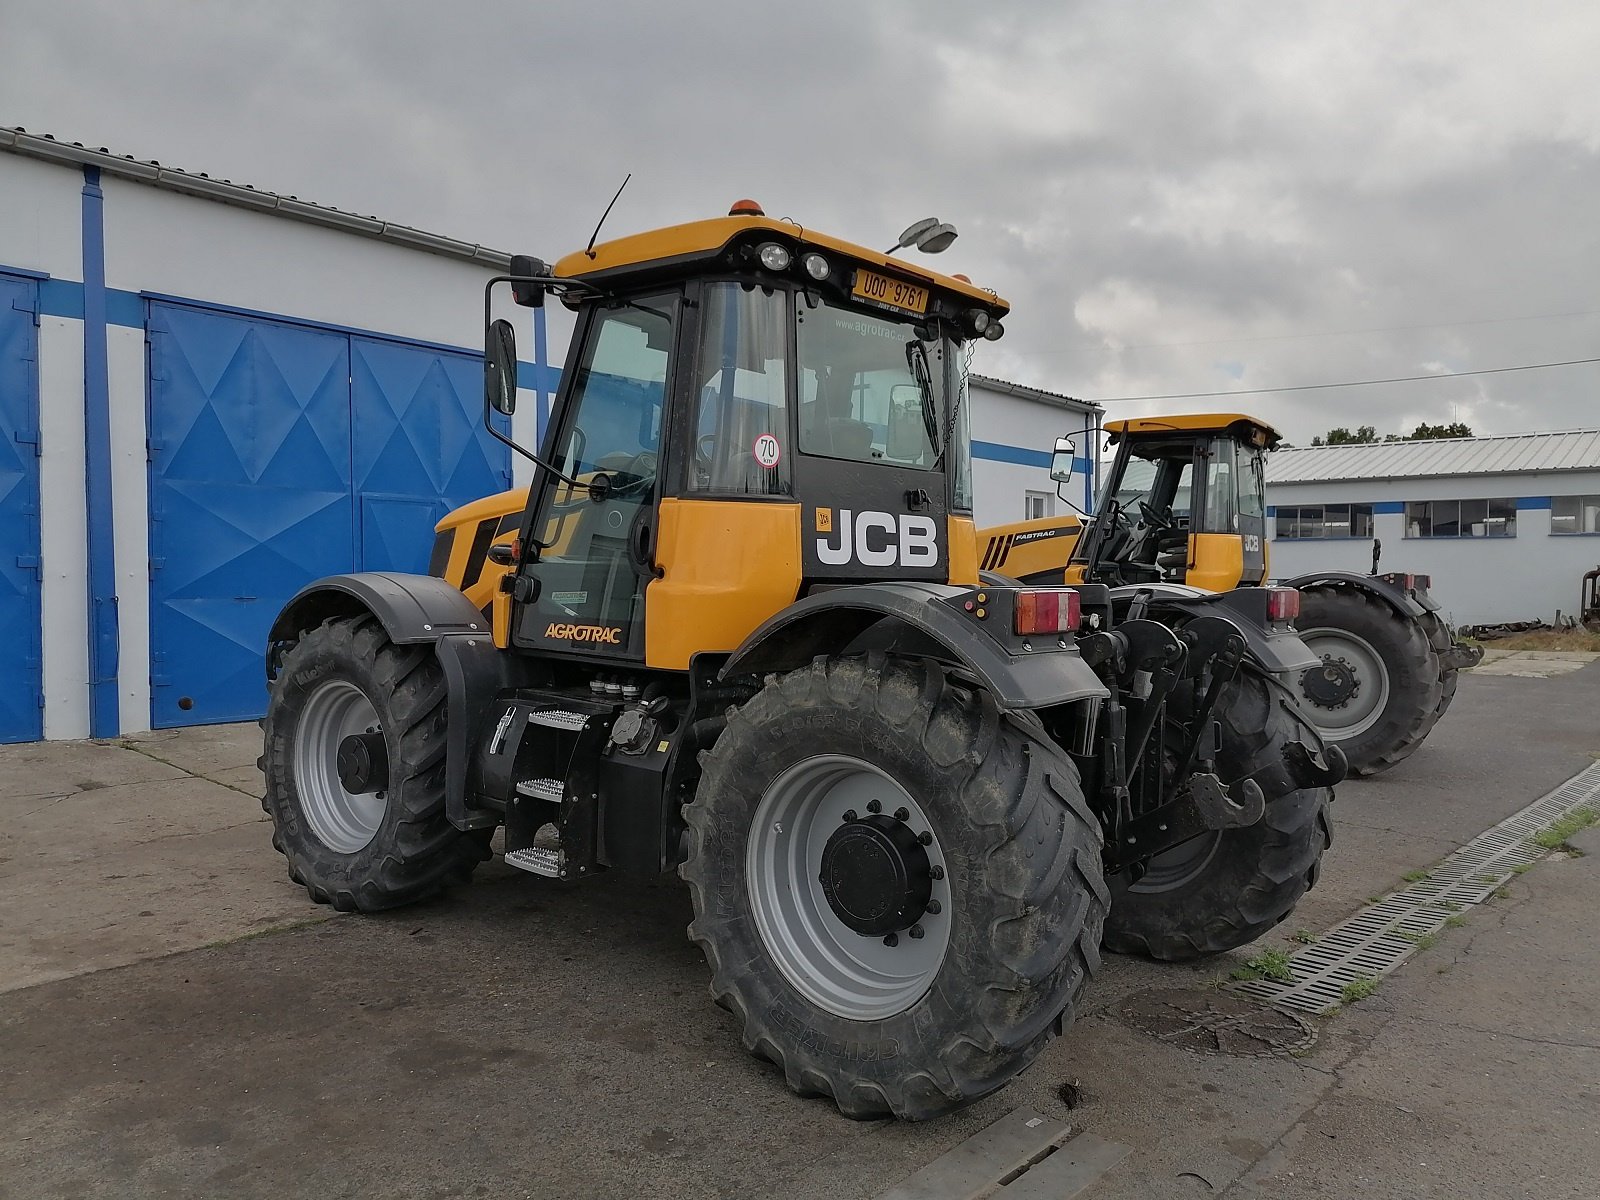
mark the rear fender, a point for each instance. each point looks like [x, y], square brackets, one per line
[924, 621]
[1409, 602]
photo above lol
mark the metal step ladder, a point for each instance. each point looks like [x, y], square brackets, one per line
[549, 861]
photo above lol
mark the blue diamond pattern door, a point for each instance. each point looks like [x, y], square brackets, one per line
[250, 497]
[420, 447]
[20, 679]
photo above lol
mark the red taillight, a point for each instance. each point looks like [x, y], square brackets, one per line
[1283, 604]
[516, 550]
[1052, 610]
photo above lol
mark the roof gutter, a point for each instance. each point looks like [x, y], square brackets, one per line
[224, 191]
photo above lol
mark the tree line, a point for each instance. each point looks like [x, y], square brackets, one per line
[1364, 434]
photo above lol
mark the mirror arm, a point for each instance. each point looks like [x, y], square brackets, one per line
[488, 411]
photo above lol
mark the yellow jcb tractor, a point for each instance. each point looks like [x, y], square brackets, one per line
[736, 628]
[1183, 506]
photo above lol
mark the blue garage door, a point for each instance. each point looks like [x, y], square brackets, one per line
[21, 695]
[281, 453]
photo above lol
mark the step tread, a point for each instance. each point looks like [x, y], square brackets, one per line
[559, 718]
[539, 860]
[542, 788]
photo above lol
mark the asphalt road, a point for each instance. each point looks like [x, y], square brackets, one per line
[527, 1038]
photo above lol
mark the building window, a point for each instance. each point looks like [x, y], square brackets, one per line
[1036, 505]
[1575, 514]
[1307, 521]
[1461, 518]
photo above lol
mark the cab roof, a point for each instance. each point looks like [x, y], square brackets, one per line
[1250, 430]
[700, 240]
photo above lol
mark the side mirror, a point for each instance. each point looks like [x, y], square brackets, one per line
[500, 368]
[1061, 461]
[908, 432]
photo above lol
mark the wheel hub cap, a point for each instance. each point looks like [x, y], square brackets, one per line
[1332, 685]
[876, 876]
[363, 763]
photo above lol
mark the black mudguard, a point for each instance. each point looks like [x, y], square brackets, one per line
[924, 620]
[1409, 602]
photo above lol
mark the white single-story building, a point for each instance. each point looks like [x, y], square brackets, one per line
[1505, 526]
[210, 394]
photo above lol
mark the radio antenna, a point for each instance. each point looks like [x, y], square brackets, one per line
[589, 249]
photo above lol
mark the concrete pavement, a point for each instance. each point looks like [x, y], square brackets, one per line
[522, 1037]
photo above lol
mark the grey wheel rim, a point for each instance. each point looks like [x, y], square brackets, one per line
[841, 971]
[343, 822]
[1363, 710]
[1175, 867]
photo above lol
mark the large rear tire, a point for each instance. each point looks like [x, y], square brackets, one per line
[1380, 688]
[1229, 886]
[375, 849]
[979, 971]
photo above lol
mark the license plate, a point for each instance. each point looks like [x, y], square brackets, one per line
[891, 293]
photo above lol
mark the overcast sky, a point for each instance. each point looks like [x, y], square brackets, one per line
[1176, 197]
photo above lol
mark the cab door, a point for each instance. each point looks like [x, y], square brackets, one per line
[587, 546]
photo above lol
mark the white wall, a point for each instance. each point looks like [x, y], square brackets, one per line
[1475, 580]
[41, 225]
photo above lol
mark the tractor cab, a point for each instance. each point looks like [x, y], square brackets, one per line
[750, 412]
[1184, 502]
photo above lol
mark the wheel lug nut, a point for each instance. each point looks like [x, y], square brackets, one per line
[936, 871]
[916, 931]
[874, 806]
[849, 815]
[935, 907]
[925, 838]
[902, 814]
[892, 939]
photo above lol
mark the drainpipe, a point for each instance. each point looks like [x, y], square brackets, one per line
[104, 648]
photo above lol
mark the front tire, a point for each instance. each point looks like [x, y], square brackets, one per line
[366, 850]
[892, 1022]
[1380, 688]
[1227, 887]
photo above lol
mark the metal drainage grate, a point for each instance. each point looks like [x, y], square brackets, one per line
[1379, 938]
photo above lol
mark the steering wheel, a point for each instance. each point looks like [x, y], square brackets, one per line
[642, 466]
[1160, 519]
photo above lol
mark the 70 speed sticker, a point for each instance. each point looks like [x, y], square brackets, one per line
[767, 450]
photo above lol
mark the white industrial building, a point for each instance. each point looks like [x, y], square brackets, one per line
[1505, 526]
[1014, 430]
[211, 394]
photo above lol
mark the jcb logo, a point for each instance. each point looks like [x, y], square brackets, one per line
[1252, 543]
[876, 539]
[608, 635]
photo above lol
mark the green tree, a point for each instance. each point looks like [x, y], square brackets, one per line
[1456, 429]
[1343, 437]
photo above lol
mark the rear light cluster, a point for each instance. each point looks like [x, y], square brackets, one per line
[1283, 603]
[1047, 610]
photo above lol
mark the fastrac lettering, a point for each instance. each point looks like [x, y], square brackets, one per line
[609, 635]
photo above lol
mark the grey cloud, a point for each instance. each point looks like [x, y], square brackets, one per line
[1175, 197]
